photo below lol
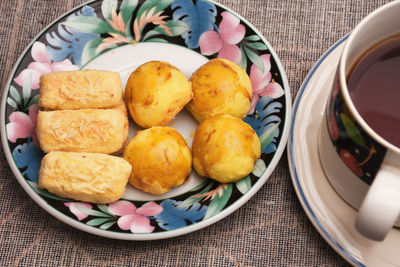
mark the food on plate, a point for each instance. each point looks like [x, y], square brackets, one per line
[80, 89]
[160, 160]
[122, 107]
[89, 177]
[220, 86]
[85, 130]
[225, 148]
[155, 92]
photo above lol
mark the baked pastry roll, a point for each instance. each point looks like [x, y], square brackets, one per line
[81, 89]
[89, 177]
[85, 130]
[122, 107]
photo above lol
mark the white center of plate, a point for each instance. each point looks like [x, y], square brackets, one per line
[125, 60]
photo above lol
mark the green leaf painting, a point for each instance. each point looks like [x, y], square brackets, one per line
[15, 95]
[255, 58]
[32, 101]
[90, 50]
[159, 5]
[176, 28]
[259, 168]
[253, 38]
[352, 131]
[127, 9]
[27, 88]
[243, 60]
[11, 102]
[106, 225]
[268, 136]
[104, 209]
[97, 222]
[92, 212]
[157, 40]
[244, 185]
[89, 25]
[197, 197]
[219, 202]
[107, 7]
[257, 46]
[200, 186]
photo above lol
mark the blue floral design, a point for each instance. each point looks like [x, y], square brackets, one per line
[172, 217]
[68, 42]
[28, 156]
[199, 17]
[266, 117]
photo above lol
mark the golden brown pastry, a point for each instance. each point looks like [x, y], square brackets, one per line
[89, 177]
[155, 93]
[225, 148]
[122, 107]
[80, 89]
[160, 160]
[85, 130]
[220, 86]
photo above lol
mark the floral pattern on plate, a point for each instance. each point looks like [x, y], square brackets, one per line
[93, 29]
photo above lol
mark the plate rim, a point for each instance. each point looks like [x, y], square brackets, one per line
[160, 235]
[293, 170]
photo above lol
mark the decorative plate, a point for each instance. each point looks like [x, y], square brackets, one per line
[120, 36]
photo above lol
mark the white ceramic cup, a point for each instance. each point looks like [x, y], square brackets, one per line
[362, 166]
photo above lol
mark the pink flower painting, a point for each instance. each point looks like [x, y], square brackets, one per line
[42, 65]
[262, 82]
[231, 32]
[22, 125]
[74, 208]
[132, 218]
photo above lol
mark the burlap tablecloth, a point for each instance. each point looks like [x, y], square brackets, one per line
[269, 230]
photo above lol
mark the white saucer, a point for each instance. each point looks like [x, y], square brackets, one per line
[330, 214]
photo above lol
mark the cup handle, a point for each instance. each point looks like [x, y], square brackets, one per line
[381, 206]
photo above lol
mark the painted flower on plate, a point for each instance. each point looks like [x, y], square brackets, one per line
[262, 83]
[74, 208]
[116, 22]
[132, 218]
[213, 193]
[68, 42]
[173, 216]
[231, 32]
[28, 156]
[42, 65]
[22, 125]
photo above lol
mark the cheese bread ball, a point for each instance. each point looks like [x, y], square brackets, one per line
[156, 92]
[160, 160]
[220, 86]
[225, 148]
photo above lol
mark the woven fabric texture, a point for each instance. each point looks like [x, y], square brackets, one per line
[269, 230]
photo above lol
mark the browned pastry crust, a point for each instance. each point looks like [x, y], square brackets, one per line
[160, 160]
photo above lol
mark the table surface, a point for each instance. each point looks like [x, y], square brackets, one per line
[300, 31]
